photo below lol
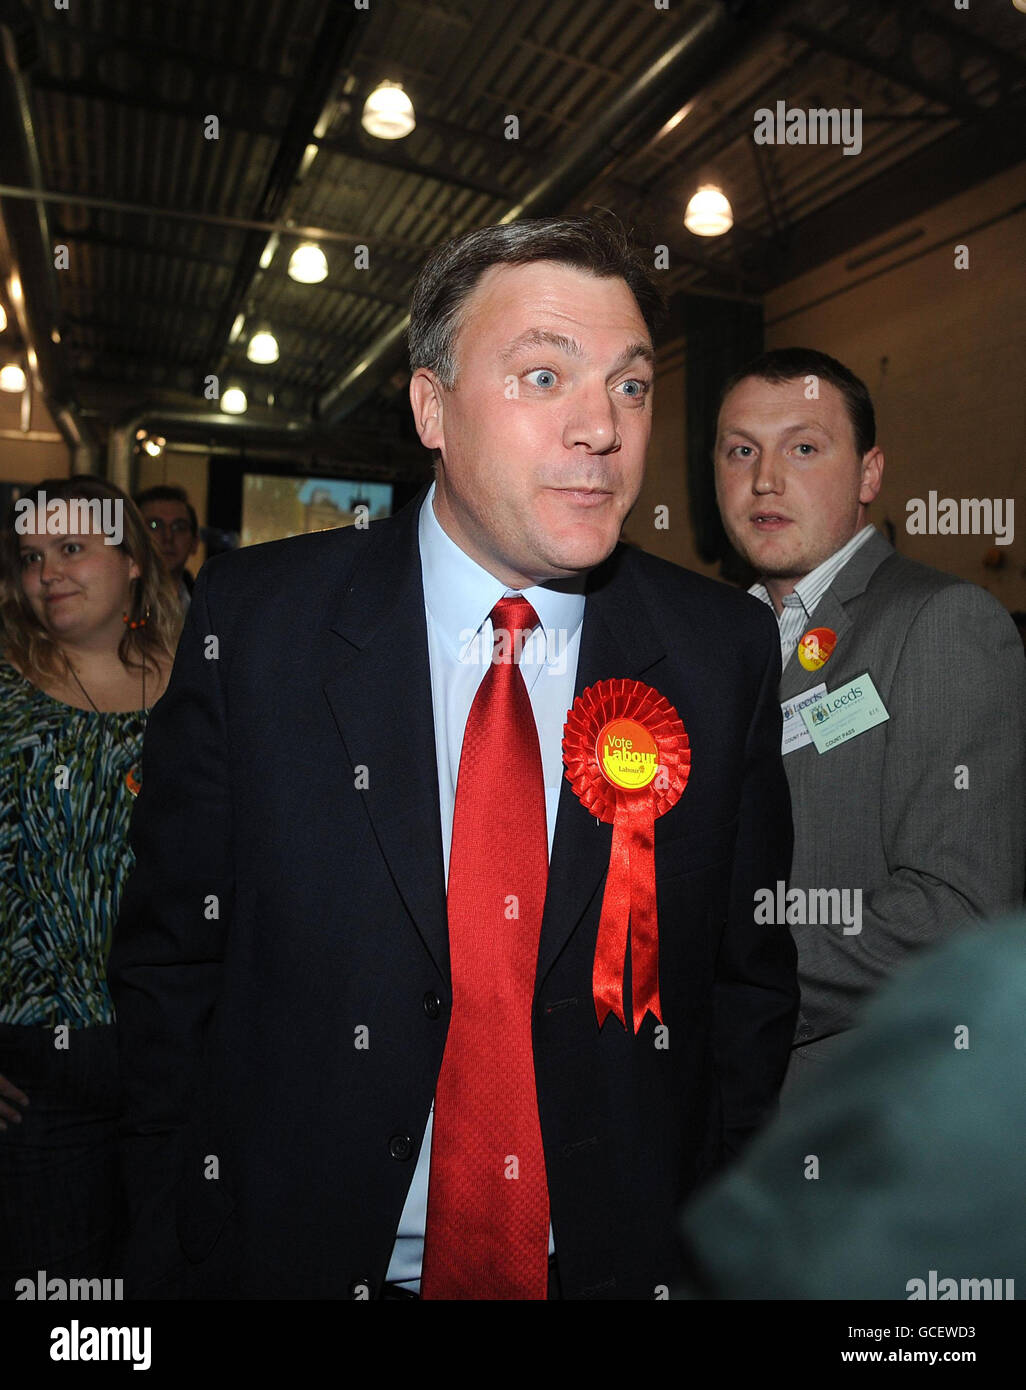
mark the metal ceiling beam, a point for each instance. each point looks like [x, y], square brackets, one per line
[27, 241]
[59, 29]
[173, 251]
[442, 171]
[846, 40]
[341, 23]
[190, 355]
[641, 108]
[965, 42]
[88, 90]
[331, 286]
[393, 247]
[144, 309]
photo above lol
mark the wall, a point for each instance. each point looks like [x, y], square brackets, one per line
[665, 482]
[181, 470]
[30, 460]
[942, 352]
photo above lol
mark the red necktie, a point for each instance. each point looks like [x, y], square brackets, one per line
[488, 1201]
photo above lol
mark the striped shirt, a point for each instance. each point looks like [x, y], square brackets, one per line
[799, 605]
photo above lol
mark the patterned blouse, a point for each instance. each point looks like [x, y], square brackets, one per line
[65, 805]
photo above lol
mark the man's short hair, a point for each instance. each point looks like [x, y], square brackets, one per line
[598, 245]
[790, 364]
[167, 492]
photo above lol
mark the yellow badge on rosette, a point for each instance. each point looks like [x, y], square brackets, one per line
[627, 754]
[628, 759]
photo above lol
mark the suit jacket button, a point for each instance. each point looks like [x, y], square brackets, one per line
[400, 1146]
[432, 1004]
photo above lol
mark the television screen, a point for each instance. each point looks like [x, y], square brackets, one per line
[274, 506]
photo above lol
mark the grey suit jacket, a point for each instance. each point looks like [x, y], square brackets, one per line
[883, 811]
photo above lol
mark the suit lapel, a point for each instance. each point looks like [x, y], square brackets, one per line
[831, 611]
[384, 717]
[617, 641]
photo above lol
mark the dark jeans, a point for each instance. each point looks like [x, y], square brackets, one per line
[58, 1168]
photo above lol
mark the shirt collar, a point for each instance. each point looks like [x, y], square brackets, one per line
[460, 594]
[812, 586]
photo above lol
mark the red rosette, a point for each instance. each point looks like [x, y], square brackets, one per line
[629, 901]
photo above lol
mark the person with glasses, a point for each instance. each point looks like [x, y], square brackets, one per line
[171, 517]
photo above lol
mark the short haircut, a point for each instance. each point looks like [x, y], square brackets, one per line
[599, 245]
[789, 364]
[168, 492]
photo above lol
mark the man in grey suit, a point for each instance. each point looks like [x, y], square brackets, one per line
[903, 693]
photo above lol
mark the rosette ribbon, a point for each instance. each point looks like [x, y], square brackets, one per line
[619, 733]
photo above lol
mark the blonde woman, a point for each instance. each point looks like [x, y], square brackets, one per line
[89, 626]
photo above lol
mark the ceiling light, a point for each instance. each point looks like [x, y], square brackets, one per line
[263, 347]
[233, 401]
[267, 255]
[12, 378]
[708, 213]
[3, 318]
[308, 264]
[237, 327]
[388, 112]
[675, 120]
[153, 447]
[15, 286]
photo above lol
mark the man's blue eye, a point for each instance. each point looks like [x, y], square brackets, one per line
[641, 387]
[545, 377]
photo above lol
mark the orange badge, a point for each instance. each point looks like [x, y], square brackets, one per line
[627, 754]
[815, 647]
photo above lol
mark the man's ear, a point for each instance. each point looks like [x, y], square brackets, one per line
[872, 475]
[426, 403]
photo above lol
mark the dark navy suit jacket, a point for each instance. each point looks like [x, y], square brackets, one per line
[282, 902]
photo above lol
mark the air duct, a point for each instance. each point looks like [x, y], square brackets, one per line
[286, 431]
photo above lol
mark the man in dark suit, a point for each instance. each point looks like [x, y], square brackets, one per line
[358, 969]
